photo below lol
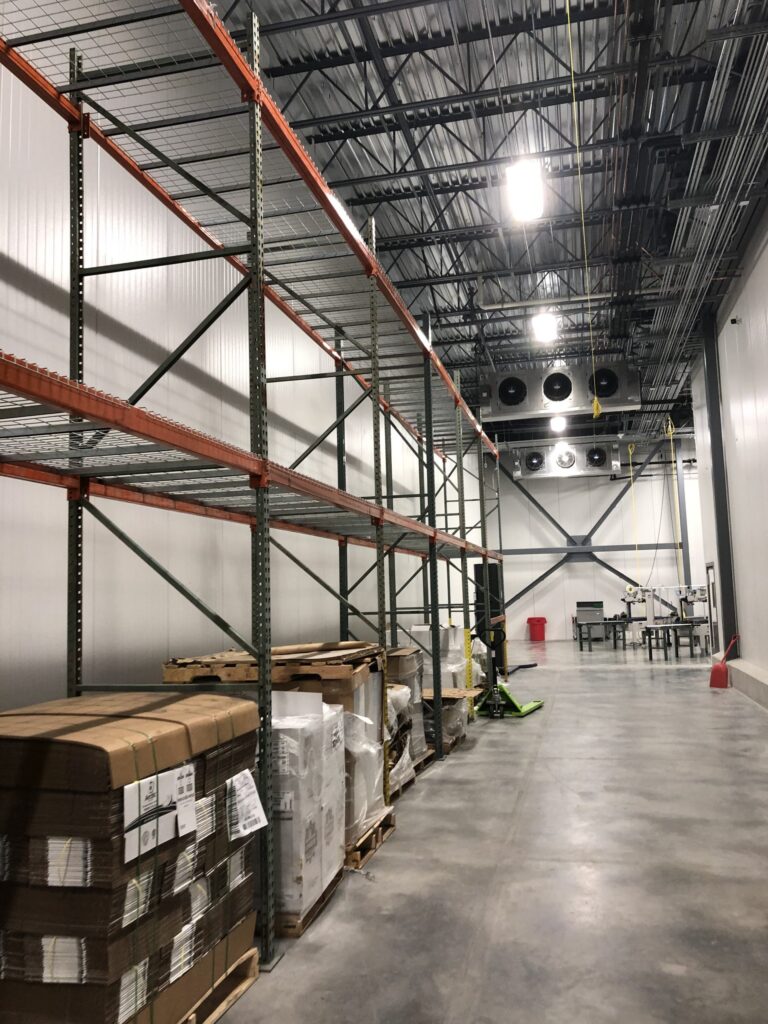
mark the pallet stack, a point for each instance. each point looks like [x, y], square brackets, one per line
[455, 669]
[408, 746]
[126, 857]
[309, 806]
[347, 675]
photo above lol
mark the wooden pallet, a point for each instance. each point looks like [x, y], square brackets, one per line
[452, 695]
[450, 743]
[396, 792]
[424, 761]
[224, 667]
[225, 994]
[321, 660]
[293, 926]
[361, 852]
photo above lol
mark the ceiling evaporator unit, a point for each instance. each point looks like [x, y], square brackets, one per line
[561, 390]
[563, 459]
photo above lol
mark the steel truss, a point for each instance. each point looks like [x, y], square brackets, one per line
[583, 548]
[55, 430]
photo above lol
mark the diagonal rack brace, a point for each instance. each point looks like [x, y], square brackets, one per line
[169, 578]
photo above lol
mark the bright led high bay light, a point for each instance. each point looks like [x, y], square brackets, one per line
[558, 424]
[544, 327]
[525, 188]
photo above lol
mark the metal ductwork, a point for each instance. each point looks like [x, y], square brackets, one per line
[562, 390]
[564, 459]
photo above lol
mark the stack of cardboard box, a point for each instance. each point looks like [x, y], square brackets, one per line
[405, 665]
[308, 758]
[353, 679]
[346, 673]
[453, 655]
[126, 855]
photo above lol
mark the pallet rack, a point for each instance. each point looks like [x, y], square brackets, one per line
[196, 105]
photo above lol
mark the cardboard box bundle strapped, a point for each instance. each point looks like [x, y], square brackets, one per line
[348, 674]
[126, 855]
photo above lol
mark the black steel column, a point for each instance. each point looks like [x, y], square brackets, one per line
[261, 636]
[76, 367]
[728, 612]
[434, 600]
[502, 592]
[484, 543]
[341, 483]
[682, 512]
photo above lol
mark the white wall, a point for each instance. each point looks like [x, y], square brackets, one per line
[743, 358]
[576, 504]
[134, 621]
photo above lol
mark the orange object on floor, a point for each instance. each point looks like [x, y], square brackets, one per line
[718, 677]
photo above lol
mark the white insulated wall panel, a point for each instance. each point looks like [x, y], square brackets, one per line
[744, 408]
[134, 621]
[577, 504]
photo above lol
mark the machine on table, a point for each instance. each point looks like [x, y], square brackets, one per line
[588, 613]
[662, 630]
[590, 624]
[605, 628]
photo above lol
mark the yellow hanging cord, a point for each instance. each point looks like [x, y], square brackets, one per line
[596, 407]
[631, 451]
[670, 432]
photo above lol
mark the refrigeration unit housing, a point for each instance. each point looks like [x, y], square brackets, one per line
[561, 390]
[563, 459]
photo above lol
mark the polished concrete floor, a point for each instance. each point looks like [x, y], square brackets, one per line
[603, 860]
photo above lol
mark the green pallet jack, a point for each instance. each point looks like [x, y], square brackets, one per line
[497, 701]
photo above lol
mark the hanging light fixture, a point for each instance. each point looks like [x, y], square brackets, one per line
[558, 424]
[544, 327]
[525, 190]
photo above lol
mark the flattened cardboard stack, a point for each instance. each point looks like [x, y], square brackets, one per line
[126, 855]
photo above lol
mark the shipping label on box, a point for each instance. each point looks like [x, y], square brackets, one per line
[158, 794]
[184, 799]
[245, 813]
[158, 809]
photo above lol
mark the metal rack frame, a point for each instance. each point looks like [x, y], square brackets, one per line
[58, 425]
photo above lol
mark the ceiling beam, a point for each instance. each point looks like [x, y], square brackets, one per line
[678, 69]
[437, 41]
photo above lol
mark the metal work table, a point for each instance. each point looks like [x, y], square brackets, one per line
[615, 626]
[669, 632]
